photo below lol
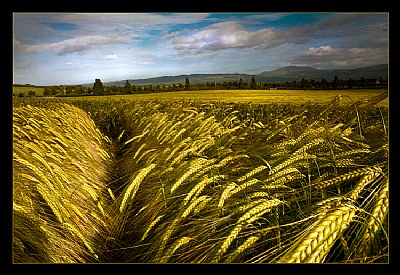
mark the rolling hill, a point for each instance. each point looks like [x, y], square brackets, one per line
[284, 74]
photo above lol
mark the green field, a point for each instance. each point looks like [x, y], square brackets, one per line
[253, 96]
[25, 90]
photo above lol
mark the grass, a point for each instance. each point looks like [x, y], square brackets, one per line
[25, 90]
[154, 181]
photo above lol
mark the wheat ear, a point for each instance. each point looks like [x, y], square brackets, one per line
[250, 216]
[134, 186]
[196, 165]
[196, 190]
[376, 219]
[171, 250]
[156, 220]
[321, 237]
[245, 245]
[344, 177]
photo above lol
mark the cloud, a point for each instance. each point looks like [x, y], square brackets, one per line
[111, 56]
[39, 26]
[16, 43]
[231, 34]
[217, 37]
[17, 46]
[328, 57]
[322, 50]
[144, 62]
[22, 65]
[69, 63]
[78, 44]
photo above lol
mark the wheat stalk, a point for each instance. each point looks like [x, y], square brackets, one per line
[196, 165]
[193, 205]
[320, 237]
[250, 216]
[196, 190]
[364, 181]
[252, 173]
[376, 219]
[179, 134]
[225, 194]
[347, 176]
[82, 238]
[156, 220]
[170, 251]
[249, 242]
[134, 186]
[243, 186]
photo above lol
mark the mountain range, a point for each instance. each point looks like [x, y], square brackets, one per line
[284, 74]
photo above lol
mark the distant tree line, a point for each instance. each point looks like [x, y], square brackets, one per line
[99, 89]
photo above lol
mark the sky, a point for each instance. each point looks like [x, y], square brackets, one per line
[77, 48]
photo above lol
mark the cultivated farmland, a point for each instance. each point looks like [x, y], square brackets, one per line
[253, 96]
[144, 180]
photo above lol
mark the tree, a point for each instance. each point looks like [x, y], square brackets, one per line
[47, 91]
[187, 84]
[241, 86]
[304, 83]
[127, 87]
[98, 88]
[80, 90]
[324, 83]
[350, 83]
[335, 82]
[31, 93]
[253, 83]
[68, 90]
[55, 90]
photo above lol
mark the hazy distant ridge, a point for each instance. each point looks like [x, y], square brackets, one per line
[285, 74]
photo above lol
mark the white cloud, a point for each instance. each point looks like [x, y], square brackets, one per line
[111, 56]
[78, 44]
[16, 43]
[17, 46]
[69, 63]
[231, 34]
[218, 37]
[130, 25]
[322, 50]
[330, 57]
[144, 62]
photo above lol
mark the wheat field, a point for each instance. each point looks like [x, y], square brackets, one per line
[147, 181]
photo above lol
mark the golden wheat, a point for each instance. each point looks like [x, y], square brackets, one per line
[156, 220]
[231, 186]
[252, 172]
[196, 190]
[193, 205]
[376, 219]
[170, 251]
[130, 192]
[249, 217]
[245, 245]
[320, 236]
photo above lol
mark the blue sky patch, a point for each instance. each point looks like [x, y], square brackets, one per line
[62, 26]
